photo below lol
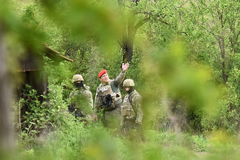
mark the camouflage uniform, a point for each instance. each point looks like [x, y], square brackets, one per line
[111, 115]
[81, 99]
[131, 111]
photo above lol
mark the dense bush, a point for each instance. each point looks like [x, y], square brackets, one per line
[35, 118]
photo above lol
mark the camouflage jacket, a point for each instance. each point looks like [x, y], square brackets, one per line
[82, 99]
[112, 88]
[132, 107]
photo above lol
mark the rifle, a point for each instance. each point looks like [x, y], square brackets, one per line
[77, 112]
[106, 100]
[71, 108]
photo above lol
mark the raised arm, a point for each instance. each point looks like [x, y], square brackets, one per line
[118, 80]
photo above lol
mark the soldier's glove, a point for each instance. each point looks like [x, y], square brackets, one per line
[71, 108]
[78, 114]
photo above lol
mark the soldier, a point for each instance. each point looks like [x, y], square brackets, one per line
[108, 98]
[81, 99]
[131, 109]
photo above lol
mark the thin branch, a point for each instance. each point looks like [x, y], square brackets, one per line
[216, 57]
[140, 23]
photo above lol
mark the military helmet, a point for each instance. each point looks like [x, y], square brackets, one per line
[77, 77]
[128, 83]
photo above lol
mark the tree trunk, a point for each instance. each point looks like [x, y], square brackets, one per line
[224, 75]
[128, 38]
[127, 44]
[127, 51]
[6, 131]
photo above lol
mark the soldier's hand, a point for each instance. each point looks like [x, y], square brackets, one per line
[95, 118]
[125, 66]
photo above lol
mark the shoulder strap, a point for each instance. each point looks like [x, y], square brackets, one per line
[130, 99]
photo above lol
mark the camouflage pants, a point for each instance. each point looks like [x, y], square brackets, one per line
[112, 119]
[132, 130]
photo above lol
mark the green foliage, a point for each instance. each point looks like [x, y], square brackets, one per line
[212, 33]
[29, 17]
[57, 74]
[199, 143]
[39, 118]
[79, 142]
[19, 33]
[95, 142]
[179, 84]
